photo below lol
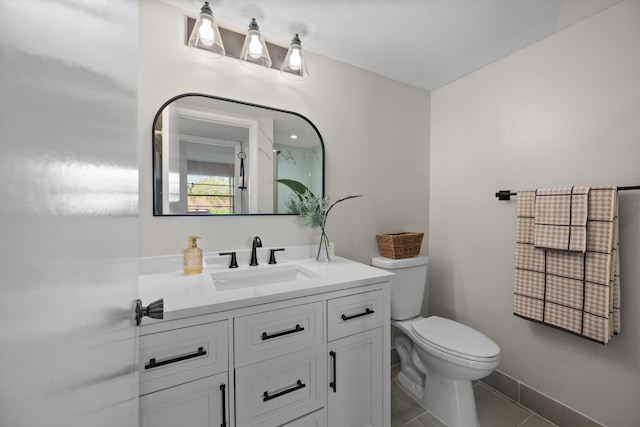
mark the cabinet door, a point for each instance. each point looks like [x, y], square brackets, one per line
[355, 380]
[201, 403]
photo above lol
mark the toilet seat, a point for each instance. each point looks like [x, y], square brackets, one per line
[455, 339]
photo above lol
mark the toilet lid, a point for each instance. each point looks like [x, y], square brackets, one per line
[455, 338]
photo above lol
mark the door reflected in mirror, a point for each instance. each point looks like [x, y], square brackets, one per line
[217, 156]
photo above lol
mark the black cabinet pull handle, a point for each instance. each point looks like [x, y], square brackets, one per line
[153, 364]
[266, 336]
[299, 384]
[365, 313]
[224, 405]
[332, 384]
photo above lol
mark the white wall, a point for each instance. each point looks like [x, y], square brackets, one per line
[376, 134]
[563, 111]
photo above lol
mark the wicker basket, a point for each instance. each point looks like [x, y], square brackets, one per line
[399, 245]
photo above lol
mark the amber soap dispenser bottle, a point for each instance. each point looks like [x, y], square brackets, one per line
[193, 257]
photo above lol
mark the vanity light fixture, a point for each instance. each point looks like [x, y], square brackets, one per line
[205, 38]
[254, 53]
[294, 64]
[205, 35]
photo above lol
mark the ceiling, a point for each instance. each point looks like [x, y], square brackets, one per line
[424, 43]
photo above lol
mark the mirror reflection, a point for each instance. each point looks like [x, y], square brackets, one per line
[217, 156]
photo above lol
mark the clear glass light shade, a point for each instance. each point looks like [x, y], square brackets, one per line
[294, 65]
[254, 53]
[205, 37]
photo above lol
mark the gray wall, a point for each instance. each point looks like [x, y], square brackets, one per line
[376, 134]
[563, 111]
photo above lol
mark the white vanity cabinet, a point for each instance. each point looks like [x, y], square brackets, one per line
[312, 357]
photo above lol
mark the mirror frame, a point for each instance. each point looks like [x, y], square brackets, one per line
[235, 101]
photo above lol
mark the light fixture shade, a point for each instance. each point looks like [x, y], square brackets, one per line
[205, 36]
[294, 65]
[254, 53]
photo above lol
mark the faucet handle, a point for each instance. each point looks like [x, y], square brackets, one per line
[234, 261]
[272, 255]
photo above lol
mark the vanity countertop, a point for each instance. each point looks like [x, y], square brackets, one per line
[186, 296]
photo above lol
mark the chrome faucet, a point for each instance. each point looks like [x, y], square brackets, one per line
[257, 243]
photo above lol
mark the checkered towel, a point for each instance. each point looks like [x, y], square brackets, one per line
[561, 218]
[573, 291]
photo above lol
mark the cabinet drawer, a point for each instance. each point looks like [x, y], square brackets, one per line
[181, 355]
[282, 389]
[272, 333]
[317, 419]
[353, 314]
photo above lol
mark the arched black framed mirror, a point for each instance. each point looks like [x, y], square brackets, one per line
[219, 156]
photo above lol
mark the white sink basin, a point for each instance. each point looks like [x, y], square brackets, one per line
[261, 275]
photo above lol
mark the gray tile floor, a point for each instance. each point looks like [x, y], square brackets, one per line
[494, 410]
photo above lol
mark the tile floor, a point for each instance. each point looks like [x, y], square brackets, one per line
[494, 410]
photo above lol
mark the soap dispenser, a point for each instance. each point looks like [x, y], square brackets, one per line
[193, 257]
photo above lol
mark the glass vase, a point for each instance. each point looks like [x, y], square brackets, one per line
[323, 247]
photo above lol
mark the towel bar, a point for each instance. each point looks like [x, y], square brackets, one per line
[506, 194]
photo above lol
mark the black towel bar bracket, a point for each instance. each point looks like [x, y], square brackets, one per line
[506, 194]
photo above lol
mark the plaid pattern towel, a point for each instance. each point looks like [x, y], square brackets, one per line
[573, 291]
[561, 218]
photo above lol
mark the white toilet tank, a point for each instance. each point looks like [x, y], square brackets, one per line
[407, 286]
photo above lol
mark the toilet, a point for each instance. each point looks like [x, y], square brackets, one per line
[438, 357]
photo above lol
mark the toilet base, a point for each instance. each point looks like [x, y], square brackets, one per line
[455, 408]
[451, 401]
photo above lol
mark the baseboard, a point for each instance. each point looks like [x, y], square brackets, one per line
[530, 398]
[538, 402]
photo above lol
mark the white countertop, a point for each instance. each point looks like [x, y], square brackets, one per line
[186, 296]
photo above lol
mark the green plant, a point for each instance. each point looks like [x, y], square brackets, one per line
[313, 211]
